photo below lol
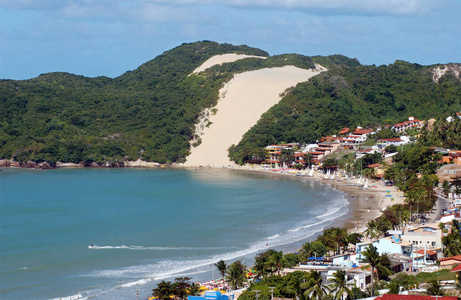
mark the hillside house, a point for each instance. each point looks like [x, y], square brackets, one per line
[383, 143]
[411, 123]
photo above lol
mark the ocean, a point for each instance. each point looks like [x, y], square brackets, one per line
[145, 225]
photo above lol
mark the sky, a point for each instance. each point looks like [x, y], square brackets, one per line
[110, 37]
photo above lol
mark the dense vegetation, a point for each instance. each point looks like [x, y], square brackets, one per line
[147, 113]
[150, 113]
[352, 95]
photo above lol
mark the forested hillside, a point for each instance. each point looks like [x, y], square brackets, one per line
[150, 113]
[352, 95]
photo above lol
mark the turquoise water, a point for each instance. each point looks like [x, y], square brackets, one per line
[145, 225]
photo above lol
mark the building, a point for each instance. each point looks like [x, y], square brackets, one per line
[449, 262]
[426, 236]
[362, 277]
[414, 297]
[383, 143]
[411, 123]
[389, 245]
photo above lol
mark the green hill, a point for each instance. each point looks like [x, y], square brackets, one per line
[150, 112]
[350, 95]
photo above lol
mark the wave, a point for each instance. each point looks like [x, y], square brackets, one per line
[141, 275]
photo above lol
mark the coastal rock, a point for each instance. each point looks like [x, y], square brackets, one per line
[141, 164]
[9, 163]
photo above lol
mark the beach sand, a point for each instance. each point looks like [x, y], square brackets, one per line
[242, 102]
[364, 205]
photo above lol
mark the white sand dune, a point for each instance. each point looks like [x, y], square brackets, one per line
[243, 100]
[221, 59]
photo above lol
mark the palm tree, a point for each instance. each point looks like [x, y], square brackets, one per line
[452, 241]
[315, 287]
[372, 257]
[372, 229]
[277, 260]
[434, 288]
[221, 266]
[340, 285]
[236, 274]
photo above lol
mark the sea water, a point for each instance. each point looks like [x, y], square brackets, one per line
[145, 225]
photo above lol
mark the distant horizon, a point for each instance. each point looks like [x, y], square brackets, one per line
[108, 38]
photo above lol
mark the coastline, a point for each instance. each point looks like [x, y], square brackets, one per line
[364, 205]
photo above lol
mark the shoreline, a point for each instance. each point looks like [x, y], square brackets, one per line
[364, 205]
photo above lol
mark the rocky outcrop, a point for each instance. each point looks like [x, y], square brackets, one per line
[440, 71]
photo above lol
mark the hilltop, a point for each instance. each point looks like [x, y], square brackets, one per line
[152, 113]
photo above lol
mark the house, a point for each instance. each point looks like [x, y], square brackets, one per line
[387, 245]
[450, 261]
[344, 260]
[362, 277]
[422, 256]
[378, 170]
[344, 131]
[411, 123]
[399, 262]
[426, 236]
[458, 270]
[383, 143]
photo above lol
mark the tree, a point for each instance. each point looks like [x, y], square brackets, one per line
[315, 287]
[181, 286]
[371, 256]
[452, 242]
[434, 288]
[163, 290]
[445, 188]
[221, 266]
[277, 261]
[295, 285]
[340, 285]
[236, 274]
[194, 289]
[372, 229]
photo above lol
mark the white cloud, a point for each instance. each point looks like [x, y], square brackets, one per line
[398, 7]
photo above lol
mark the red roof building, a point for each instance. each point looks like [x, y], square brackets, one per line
[414, 297]
[345, 130]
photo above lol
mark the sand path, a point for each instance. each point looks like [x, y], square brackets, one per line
[244, 99]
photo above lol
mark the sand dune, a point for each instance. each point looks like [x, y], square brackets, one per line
[221, 59]
[243, 100]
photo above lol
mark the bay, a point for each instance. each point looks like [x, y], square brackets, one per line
[146, 225]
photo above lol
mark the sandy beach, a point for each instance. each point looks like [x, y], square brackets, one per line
[242, 102]
[364, 205]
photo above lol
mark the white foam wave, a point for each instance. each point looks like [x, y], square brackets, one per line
[143, 274]
[73, 297]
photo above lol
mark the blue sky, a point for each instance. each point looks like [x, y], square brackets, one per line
[110, 37]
